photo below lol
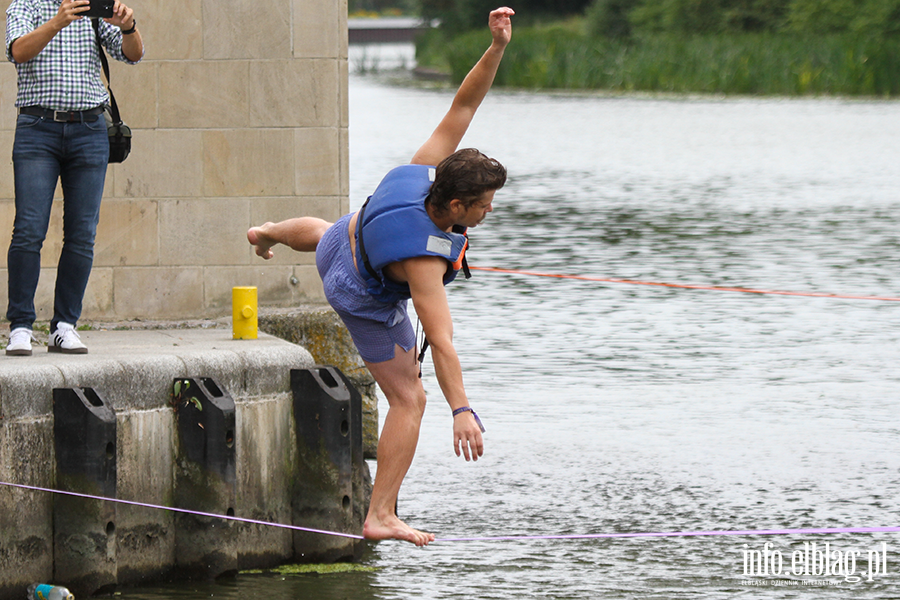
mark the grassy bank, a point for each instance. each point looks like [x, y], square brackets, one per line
[765, 64]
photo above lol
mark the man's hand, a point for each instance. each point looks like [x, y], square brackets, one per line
[467, 439]
[69, 11]
[501, 26]
[123, 17]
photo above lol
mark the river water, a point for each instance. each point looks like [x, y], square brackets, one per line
[612, 407]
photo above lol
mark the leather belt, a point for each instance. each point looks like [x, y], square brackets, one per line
[62, 116]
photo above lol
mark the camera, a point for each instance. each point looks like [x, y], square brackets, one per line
[100, 8]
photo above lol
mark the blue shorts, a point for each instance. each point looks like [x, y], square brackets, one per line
[375, 327]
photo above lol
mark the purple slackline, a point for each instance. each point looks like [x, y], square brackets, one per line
[499, 538]
[595, 536]
[181, 510]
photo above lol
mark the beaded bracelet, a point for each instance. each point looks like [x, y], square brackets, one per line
[467, 409]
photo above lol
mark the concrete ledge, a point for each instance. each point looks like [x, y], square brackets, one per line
[133, 371]
[147, 360]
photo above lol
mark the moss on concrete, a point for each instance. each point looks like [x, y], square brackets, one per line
[318, 568]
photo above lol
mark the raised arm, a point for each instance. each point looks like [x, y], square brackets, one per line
[446, 138]
[132, 44]
[30, 45]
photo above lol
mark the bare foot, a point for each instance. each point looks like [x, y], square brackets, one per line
[393, 528]
[262, 242]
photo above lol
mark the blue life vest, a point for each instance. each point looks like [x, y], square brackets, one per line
[393, 225]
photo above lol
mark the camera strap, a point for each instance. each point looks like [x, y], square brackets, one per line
[114, 108]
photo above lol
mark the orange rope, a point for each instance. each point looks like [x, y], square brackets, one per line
[685, 286]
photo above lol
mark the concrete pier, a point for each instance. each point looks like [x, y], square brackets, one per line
[386, 30]
[133, 372]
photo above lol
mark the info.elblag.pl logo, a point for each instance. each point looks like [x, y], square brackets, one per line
[817, 561]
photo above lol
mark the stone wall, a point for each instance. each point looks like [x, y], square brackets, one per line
[239, 114]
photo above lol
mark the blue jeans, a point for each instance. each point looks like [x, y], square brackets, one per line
[45, 152]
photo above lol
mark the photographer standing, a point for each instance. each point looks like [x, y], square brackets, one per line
[60, 136]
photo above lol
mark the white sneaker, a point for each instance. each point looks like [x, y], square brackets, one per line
[65, 339]
[20, 340]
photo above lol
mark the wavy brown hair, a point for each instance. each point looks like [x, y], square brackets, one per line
[465, 175]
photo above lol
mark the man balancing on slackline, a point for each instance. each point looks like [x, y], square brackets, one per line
[408, 241]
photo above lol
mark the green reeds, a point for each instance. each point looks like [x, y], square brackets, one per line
[756, 64]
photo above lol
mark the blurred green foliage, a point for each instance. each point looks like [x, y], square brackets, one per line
[749, 63]
[457, 16]
[782, 47]
[623, 18]
[383, 7]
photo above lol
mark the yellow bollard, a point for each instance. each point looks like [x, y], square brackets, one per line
[243, 313]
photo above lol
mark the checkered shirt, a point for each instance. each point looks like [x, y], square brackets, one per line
[66, 74]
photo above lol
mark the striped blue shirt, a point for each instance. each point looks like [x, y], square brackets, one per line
[66, 74]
